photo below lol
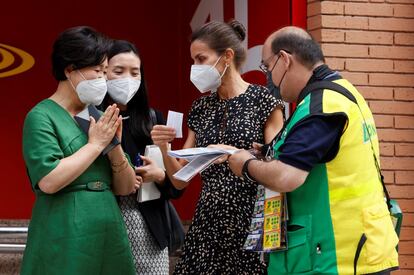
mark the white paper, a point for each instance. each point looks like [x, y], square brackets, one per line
[270, 193]
[149, 190]
[200, 159]
[197, 165]
[154, 153]
[175, 120]
[199, 151]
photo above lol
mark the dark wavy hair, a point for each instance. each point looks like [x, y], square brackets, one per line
[139, 121]
[79, 47]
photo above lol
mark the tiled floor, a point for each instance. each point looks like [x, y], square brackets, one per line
[10, 263]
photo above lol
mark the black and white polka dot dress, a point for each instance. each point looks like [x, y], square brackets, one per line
[214, 243]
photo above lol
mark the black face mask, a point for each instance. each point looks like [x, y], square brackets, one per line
[273, 89]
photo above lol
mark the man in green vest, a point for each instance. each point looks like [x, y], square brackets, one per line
[326, 160]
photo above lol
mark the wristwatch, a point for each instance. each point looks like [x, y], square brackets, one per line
[245, 170]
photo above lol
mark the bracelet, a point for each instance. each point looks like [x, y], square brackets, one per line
[117, 164]
[120, 169]
[245, 170]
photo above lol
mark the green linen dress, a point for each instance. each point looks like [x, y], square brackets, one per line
[79, 232]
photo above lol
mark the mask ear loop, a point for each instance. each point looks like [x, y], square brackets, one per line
[215, 64]
[71, 84]
[283, 76]
[81, 74]
[225, 69]
[70, 81]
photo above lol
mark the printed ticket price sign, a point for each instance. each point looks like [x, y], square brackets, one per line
[268, 225]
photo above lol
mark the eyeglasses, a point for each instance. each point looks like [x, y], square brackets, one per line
[263, 65]
[264, 68]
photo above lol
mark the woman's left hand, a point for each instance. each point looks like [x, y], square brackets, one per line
[118, 132]
[138, 183]
[150, 171]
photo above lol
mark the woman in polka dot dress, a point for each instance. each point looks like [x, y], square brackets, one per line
[235, 113]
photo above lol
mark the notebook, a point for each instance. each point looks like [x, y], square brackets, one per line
[149, 190]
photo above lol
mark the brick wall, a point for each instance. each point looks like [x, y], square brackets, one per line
[371, 42]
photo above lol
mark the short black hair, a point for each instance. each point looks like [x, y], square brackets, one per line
[306, 49]
[79, 47]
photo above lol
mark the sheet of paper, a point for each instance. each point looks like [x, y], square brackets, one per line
[199, 159]
[175, 120]
[199, 151]
[270, 194]
[197, 165]
[149, 190]
[154, 153]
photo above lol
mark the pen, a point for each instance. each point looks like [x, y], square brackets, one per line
[138, 161]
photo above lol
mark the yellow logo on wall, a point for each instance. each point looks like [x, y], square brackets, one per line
[14, 61]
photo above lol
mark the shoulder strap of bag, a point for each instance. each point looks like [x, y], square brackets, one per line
[342, 90]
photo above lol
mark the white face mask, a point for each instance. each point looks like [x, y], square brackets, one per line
[91, 92]
[206, 77]
[122, 90]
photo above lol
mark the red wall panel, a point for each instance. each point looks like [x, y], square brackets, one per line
[161, 31]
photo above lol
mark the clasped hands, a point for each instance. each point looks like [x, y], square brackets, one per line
[101, 132]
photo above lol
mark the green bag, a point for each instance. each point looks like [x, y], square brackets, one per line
[396, 216]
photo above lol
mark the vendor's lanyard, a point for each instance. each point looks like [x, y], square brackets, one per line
[268, 150]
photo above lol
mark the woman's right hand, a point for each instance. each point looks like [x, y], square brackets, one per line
[101, 132]
[224, 157]
[256, 150]
[150, 171]
[161, 135]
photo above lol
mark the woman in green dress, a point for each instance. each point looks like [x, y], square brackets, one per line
[76, 226]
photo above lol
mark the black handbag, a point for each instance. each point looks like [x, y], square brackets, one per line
[175, 227]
